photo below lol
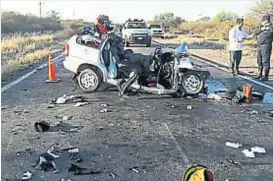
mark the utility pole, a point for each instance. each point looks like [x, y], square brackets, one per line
[74, 14]
[40, 5]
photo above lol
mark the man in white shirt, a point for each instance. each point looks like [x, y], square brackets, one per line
[236, 37]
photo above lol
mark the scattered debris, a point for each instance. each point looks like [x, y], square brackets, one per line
[105, 110]
[46, 161]
[72, 98]
[234, 145]
[189, 107]
[164, 144]
[66, 118]
[257, 95]
[81, 171]
[4, 107]
[111, 125]
[214, 97]
[257, 149]
[100, 128]
[61, 100]
[74, 155]
[112, 174]
[26, 111]
[234, 162]
[27, 175]
[51, 106]
[268, 113]
[41, 126]
[248, 153]
[104, 105]
[135, 170]
[79, 104]
[74, 150]
[253, 112]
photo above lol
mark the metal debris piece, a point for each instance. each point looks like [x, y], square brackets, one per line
[66, 118]
[135, 170]
[72, 98]
[27, 175]
[189, 107]
[257, 149]
[74, 150]
[254, 112]
[105, 110]
[79, 104]
[248, 153]
[112, 174]
[234, 145]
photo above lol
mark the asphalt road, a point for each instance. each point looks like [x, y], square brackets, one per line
[157, 135]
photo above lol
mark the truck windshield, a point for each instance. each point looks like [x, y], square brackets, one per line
[155, 26]
[136, 25]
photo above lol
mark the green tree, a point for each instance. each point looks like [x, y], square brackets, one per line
[54, 15]
[225, 16]
[168, 20]
[263, 7]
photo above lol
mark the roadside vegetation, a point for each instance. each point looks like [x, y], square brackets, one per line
[208, 37]
[26, 39]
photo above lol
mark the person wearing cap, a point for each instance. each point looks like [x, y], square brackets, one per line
[264, 42]
[236, 37]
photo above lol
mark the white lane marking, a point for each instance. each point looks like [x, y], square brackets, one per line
[182, 154]
[20, 79]
[242, 76]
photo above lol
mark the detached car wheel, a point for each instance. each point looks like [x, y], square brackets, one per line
[192, 83]
[89, 80]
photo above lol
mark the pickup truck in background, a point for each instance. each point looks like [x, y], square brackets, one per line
[136, 32]
[157, 30]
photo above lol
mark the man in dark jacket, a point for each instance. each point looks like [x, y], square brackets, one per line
[264, 42]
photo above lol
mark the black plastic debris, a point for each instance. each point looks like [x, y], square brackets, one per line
[81, 171]
[41, 126]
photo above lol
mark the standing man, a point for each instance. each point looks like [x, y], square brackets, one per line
[236, 37]
[264, 42]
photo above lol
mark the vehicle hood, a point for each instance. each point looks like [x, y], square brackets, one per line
[138, 31]
[157, 29]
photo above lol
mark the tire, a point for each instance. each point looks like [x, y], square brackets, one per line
[89, 76]
[180, 93]
[192, 83]
[149, 44]
[128, 51]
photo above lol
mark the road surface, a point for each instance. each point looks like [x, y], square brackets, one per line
[158, 136]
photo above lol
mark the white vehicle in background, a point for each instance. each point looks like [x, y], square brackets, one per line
[136, 32]
[157, 30]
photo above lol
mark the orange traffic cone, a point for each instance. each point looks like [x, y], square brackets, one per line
[52, 77]
[247, 89]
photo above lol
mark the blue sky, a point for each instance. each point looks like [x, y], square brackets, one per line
[121, 10]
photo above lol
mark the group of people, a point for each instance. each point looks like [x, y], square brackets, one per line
[264, 42]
